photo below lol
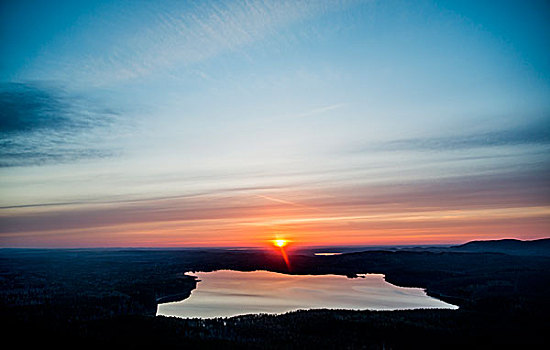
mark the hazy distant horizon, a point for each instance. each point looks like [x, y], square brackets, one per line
[266, 247]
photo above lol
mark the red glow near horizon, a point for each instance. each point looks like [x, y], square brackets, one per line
[211, 221]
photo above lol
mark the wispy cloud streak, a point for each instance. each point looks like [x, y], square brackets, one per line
[41, 124]
[532, 133]
[352, 212]
[174, 35]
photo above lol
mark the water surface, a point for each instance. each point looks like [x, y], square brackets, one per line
[227, 293]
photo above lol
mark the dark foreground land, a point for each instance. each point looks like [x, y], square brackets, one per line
[108, 298]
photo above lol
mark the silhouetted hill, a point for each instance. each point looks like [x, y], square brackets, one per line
[539, 247]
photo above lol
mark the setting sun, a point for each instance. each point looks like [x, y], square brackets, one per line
[280, 242]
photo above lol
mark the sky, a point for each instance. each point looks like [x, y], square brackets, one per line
[229, 123]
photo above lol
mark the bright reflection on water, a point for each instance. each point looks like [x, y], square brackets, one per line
[226, 293]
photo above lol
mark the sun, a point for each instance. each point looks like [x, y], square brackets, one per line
[280, 242]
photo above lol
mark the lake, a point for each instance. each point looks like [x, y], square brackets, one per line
[226, 293]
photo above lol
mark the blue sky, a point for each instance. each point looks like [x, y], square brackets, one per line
[225, 122]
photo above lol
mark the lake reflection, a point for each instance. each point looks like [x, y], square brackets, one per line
[226, 293]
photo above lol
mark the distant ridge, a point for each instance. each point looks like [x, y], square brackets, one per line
[539, 247]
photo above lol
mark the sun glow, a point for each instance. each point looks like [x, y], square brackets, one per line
[280, 242]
